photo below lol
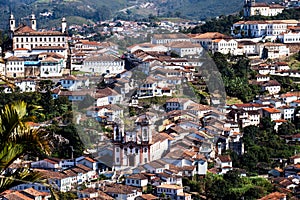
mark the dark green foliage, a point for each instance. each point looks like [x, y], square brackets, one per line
[287, 83]
[67, 195]
[222, 24]
[235, 71]
[88, 101]
[74, 143]
[230, 186]
[263, 143]
[286, 128]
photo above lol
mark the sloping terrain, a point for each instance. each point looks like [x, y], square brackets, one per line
[95, 10]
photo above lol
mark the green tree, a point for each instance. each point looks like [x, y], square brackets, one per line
[18, 139]
[87, 102]
[286, 128]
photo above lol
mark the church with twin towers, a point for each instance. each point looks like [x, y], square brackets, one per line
[28, 37]
[251, 8]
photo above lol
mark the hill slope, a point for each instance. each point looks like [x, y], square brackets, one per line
[95, 10]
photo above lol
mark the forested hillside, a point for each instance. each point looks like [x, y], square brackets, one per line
[89, 11]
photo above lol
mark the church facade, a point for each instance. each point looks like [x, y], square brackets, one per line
[29, 38]
[252, 8]
[138, 146]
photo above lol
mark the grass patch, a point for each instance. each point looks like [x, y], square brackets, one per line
[75, 73]
[233, 100]
[293, 62]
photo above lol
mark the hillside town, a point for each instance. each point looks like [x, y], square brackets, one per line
[159, 115]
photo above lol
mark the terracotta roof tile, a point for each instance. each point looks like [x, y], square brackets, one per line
[274, 196]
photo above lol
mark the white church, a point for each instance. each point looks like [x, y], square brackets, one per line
[138, 146]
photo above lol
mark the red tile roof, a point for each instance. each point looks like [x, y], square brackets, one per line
[274, 196]
[271, 110]
[225, 158]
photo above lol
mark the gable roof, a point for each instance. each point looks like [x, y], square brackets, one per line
[274, 196]
[171, 36]
[225, 158]
[137, 176]
[211, 35]
[271, 110]
[26, 30]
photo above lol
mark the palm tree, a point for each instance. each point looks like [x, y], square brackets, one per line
[17, 139]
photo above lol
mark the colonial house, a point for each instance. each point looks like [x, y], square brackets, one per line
[48, 164]
[27, 193]
[295, 159]
[51, 65]
[26, 85]
[173, 192]
[92, 193]
[74, 83]
[272, 113]
[88, 162]
[14, 67]
[148, 47]
[281, 66]
[155, 86]
[120, 192]
[73, 95]
[287, 112]
[185, 48]
[223, 163]
[245, 118]
[256, 29]
[156, 166]
[107, 96]
[262, 78]
[62, 51]
[295, 103]
[29, 38]
[289, 37]
[225, 46]
[59, 180]
[247, 47]
[271, 86]
[178, 104]
[169, 38]
[107, 113]
[248, 106]
[273, 50]
[103, 64]
[252, 8]
[205, 39]
[137, 180]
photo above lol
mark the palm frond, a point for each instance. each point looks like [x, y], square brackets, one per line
[17, 138]
[19, 176]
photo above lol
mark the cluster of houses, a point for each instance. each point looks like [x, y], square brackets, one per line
[252, 8]
[147, 154]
